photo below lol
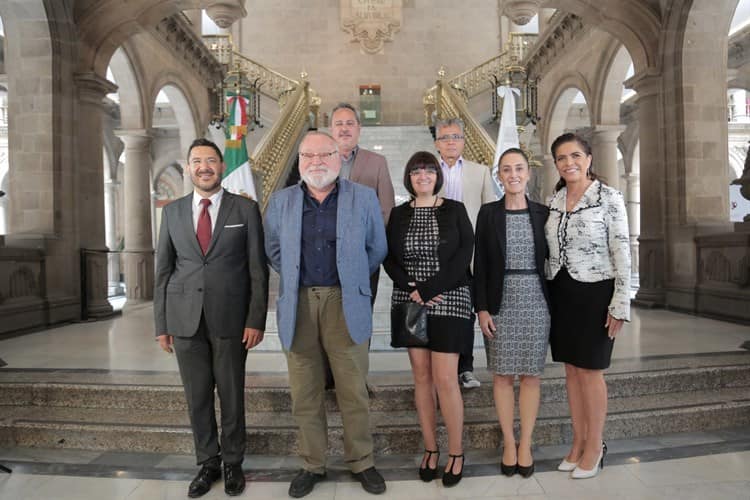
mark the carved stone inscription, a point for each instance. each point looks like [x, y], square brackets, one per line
[371, 22]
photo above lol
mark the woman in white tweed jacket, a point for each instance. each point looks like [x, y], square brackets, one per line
[589, 268]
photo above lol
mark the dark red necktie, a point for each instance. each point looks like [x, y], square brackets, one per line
[204, 226]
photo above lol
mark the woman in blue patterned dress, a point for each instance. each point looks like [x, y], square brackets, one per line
[510, 297]
[589, 265]
[430, 243]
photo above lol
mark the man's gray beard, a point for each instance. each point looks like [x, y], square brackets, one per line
[320, 181]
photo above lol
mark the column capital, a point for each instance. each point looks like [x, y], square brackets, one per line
[135, 139]
[92, 88]
[645, 83]
[607, 133]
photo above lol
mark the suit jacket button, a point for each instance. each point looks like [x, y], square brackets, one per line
[200, 289]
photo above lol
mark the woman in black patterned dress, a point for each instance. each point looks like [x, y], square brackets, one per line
[510, 297]
[430, 244]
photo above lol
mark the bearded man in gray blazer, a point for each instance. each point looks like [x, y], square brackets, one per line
[471, 184]
[210, 303]
[325, 236]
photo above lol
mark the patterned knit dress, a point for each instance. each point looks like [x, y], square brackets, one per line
[519, 346]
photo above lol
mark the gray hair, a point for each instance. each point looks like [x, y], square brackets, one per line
[449, 122]
[319, 132]
[346, 105]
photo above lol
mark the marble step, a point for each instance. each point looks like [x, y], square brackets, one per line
[394, 431]
[388, 391]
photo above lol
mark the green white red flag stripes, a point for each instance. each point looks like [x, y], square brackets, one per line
[238, 178]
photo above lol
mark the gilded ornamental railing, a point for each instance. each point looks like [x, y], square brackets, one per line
[276, 149]
[269, 82]
[479, 147]
[492, 72]
[449, 97]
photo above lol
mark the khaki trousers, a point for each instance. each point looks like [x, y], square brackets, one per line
[320, 334]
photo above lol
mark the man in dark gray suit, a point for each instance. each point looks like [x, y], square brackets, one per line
[210, 302]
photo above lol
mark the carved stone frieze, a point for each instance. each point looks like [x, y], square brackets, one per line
[175, 32]
[371, 22]
[563, 29]
[724, 259]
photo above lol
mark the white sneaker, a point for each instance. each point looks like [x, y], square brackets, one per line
[468, 380]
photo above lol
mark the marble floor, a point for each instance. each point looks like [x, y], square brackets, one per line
[126, 342]
[724, 476]
[708, 465]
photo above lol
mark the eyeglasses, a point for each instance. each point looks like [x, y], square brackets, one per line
[419, 170]
[320, 156]
[449, 137]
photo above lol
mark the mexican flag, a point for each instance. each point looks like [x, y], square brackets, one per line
[238, 178]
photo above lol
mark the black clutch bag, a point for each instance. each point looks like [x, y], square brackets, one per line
[408, 325]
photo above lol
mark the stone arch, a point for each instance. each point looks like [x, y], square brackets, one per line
[29, 65]
[609, 90]
[105, 26]
[128, 78]
[558, 105]
[703, 75]
[184, 106]
[635, 24]
[167, 182]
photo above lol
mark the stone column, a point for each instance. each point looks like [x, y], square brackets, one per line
[651, 262]
[90, 196]
[604, 149]
[549, 177]
[139, 249]
[111, 187]
[633, 204]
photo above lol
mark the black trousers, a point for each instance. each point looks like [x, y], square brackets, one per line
[207, 361]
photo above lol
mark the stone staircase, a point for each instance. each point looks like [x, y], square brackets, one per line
[145, 411]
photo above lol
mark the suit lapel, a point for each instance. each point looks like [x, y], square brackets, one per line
[227, 204]
[357, 166]
[294, 224]
[536, 215]
[186, 214]
[500, 228]
[344, 211]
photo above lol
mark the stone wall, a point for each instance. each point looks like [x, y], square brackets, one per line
[298, 34]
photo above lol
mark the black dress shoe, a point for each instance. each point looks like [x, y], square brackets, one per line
[202, 482]
[508, 470]
[449, 478]
[526, 470]
[303, 483]
[428, 473]
[371, 480]
[234, 479]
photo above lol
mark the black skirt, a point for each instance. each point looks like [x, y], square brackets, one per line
[579, 311]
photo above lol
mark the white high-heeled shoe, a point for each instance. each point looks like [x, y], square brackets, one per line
[566, 466]
[579, 473]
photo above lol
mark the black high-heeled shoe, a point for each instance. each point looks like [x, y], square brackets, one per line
[525, 470]
[449, 478]
[428, 473]
[509, 470]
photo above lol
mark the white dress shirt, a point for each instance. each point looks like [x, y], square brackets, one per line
[453, 186]
[213, 208]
